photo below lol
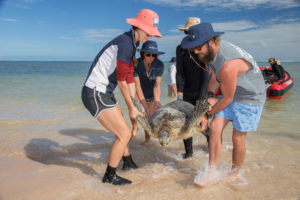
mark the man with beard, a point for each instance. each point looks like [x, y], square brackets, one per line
[242, 99]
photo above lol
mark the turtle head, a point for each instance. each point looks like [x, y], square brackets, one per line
[164, 138]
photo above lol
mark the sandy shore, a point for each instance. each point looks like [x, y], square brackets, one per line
[44, 160]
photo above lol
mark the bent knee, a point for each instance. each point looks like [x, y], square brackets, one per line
[125, 136]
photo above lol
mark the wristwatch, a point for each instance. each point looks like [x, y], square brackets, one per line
[208, 116]
[210, 94]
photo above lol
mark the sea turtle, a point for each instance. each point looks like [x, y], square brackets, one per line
[173, 121]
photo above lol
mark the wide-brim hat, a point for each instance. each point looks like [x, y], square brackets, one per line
[173, 59]
[147, 20]
[190, 22]
[199, 35]
[151, 47]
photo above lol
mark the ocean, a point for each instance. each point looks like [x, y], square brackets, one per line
[52, 148]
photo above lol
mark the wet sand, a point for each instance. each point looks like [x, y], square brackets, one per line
[60, 163]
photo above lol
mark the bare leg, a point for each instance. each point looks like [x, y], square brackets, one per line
[174, 90]
[114, 122]
[170, 91]
[238, 152]
[215, 148]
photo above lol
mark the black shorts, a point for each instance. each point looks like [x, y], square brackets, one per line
[96, 101]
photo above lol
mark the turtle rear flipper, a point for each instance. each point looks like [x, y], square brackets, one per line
[142, 118]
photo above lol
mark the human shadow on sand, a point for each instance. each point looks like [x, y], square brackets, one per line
[86, 142]
[75, 155]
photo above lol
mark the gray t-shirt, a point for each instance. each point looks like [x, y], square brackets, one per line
[251, 89]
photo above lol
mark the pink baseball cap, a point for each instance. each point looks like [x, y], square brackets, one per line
[147, 20]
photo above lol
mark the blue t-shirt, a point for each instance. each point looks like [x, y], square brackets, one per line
[148, 81]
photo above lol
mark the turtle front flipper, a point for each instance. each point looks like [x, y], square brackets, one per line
[199, 111]
[142, 118]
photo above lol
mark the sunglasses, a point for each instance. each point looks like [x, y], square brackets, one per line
[198, 48]
[151, 55]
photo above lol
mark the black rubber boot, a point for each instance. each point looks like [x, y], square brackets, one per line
[188, 145]
[111, 177]
[128, 163]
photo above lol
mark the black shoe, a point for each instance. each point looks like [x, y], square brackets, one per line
[115, 179]
[188, 146]
[187, 155]
[128, 163]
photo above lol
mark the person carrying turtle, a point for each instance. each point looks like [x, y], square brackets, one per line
[147, 76]
[243, 94]
[191, 79]
[112, 67]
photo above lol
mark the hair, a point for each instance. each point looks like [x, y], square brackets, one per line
[272, 60]
[134, 28]
[217, 40]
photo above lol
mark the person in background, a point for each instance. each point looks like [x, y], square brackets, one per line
[243, 94]
[191, 78]
[172, 88]
[147, 77]
[277, 69]
[112, 67]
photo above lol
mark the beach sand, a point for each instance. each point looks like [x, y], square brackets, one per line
[60, 163]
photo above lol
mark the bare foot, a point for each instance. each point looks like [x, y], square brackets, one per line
[207, 178]
[230, 178]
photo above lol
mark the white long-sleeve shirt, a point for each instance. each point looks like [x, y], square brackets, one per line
[172, 74]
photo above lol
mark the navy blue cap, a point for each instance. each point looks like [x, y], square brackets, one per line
[198, 35]
[173, 59]
[151, 47]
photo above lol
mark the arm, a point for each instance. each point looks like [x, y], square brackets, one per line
[125, 82]
[157, 88]
[140, 94]
[124, 88]
[228, 77]
[157, 92]
[173, 79]
[213, 84]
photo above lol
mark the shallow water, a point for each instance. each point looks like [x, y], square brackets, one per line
[43, 121]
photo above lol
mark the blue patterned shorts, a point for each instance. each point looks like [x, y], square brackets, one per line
[244, 117]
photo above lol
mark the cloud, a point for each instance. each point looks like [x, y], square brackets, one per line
[8, 20]
[22, 3]
[233, 26]
[228, 4]
[94, 35]
[68, 38]
[100, 35]
[281, 41]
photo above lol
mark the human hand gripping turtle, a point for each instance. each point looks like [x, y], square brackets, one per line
[173, 121]
[212, 100]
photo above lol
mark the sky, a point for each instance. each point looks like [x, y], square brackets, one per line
[76, 30]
